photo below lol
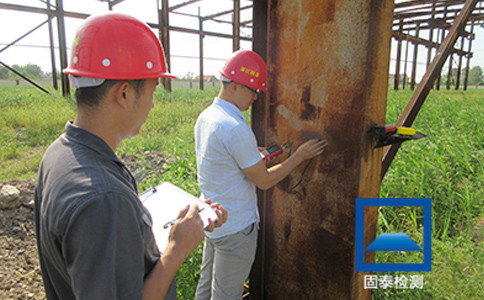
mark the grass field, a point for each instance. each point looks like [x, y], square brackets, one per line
[447, 167]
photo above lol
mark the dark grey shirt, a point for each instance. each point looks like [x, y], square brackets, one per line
[94, 235]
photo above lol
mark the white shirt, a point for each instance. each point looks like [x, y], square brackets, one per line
[225, 145]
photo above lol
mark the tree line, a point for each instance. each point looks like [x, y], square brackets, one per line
[29, 70]
[476, 76]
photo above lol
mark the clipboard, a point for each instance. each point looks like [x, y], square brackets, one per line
[164, 202]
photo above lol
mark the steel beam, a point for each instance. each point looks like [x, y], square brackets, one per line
[328, 68]
[236, 26]
[164, 32]
[468, 57]
[413, 107]
[52, 51]
[62, 46]
[200, 46]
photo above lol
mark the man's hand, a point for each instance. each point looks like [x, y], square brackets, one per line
[187, 234]
[311, 148]
[222, 215]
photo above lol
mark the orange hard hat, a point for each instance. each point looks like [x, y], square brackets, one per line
[116, 46]
[248, 68]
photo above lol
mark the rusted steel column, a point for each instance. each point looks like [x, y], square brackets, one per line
[396, 79]
[236, 26]
[414, 63]
[200, 48]
[52, 51]
[449, 72]
[62, 46]
[328, 69]
[469, 55]
[459, 64]
[404, 83]
[431, 35]
[164, 22]
[442, 37]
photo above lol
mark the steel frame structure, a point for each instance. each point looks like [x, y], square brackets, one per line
[426, 23]
[163, 25]
[444, 21]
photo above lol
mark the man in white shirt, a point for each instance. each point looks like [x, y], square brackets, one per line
[230, 167]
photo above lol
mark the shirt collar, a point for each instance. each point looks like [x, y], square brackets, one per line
[230, 108]
[92, 141]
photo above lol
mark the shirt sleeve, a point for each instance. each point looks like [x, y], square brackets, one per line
[103, 249]
[242, 145]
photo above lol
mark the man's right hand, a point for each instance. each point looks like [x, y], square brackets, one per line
[186, 235]
[311, 148]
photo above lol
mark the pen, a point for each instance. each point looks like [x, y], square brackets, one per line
[173, 222]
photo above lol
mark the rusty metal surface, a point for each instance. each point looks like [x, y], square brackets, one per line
[328, 66]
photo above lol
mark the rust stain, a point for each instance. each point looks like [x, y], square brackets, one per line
[317, 57]
[309, 111]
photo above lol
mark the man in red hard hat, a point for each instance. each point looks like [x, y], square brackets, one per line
[230, 167]
[94, 236]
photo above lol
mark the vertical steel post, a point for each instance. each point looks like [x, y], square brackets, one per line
[236, 26]
[414, 62]
[200, 26]
[52, 51]
[396, 79]
[404, 83]
[459, 64]
[62, 46]
[468, 57]
[328, 68]
[449, 72]
[431, 36]
[163, 20]
[442, 36]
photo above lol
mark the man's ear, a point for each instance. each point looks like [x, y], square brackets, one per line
[121, 93]
[233, 87]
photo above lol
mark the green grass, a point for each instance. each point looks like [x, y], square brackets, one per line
[29, 121]
[447, 167]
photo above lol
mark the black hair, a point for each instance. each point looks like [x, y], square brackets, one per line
[91, 96]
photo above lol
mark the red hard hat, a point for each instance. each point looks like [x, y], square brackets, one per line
[248, 68]
[116, 46]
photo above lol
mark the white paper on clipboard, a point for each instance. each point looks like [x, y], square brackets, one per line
[164, 202]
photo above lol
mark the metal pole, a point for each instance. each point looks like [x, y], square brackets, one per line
[431, 36]
[405, 65]
[469, 55]
[414, 63]
[459, 65]
[200, 25]
[164, 25]
[236, 26]
[52, 51]
[62, 46]
[396, 79]
[449, 72]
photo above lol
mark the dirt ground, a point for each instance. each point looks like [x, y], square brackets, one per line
[20, 276]
[19, 263]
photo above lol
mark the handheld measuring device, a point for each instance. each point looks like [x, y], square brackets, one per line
[273, 151]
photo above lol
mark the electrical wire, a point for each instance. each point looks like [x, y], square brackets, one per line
[292, 190]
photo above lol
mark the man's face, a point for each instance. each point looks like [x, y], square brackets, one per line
[246, 96]
[142, 105]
